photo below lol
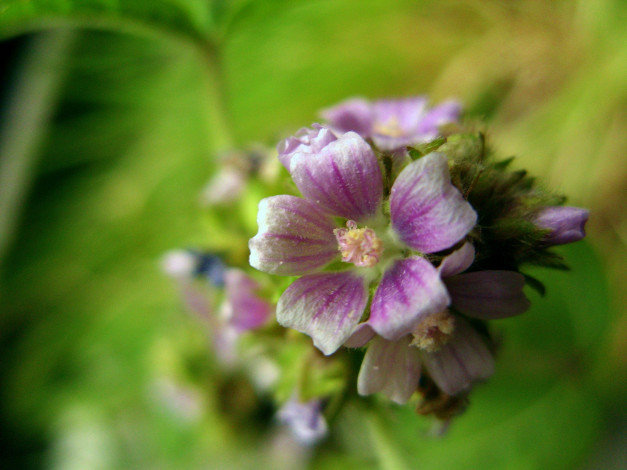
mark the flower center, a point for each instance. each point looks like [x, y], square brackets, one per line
[358, 245]
[434, 331]
[390, 128]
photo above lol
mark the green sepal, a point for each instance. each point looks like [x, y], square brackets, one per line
[421, 150]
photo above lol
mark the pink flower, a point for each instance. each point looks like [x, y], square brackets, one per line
[341, 215]
[392, 124]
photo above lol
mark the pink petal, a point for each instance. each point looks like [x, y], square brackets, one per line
[437, 116]
[294, 237]
[325, 306]
[307, 140]
[428, 212]
[397, 121]
[464, 360]
[390, 367]
[406, 113]
[360, 336]
[246, 311]
[409, 290]
[343, 179]
[351, 115]
[458, 261]
[488, 294]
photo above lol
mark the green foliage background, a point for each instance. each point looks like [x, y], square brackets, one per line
[114, 112]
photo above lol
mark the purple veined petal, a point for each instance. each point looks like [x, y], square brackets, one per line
[294, 237]
[465, 359]
[428, 213]
[488, 294]
[390, 367]
[445, 113]
[343, 179]
[567, 224]
[458, 261]
[360, 336]
[246, 310]
[409, 290]
[325, 306]
[351, 115]
[307, 141]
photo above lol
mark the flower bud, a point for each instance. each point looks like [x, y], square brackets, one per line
[565, 223]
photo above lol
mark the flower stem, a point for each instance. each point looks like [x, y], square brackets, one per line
[28, 113]
[218, 122]
[389, 457]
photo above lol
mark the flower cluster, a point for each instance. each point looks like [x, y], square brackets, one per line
[407, 239]
[401, 238]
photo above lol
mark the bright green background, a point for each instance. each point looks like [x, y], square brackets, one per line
[113, 117]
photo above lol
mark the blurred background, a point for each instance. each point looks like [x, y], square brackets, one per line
[112, 116]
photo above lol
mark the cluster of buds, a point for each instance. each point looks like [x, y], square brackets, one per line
[408, 236]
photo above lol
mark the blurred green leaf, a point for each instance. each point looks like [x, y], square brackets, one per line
[188, 18]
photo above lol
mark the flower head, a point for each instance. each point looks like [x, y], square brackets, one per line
[392, 124]
[341, 215]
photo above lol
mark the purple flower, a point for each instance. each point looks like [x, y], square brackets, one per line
[392, 124]
[452, 351]
[241, 309]
[342, 214]
[566, 224]
[304, 419]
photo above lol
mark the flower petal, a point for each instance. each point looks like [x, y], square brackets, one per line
[409, 290]
[428, 212]
[488, 294]
[437, 116]
[343, 179]
[390, 367]
[464, 360]
[567, 224]
[404, 114]
[325, 306]
[351, 115]
[396, 122]
[244, 310]
[294, 237]
[307, 140]
[458, 261]
[360, 336]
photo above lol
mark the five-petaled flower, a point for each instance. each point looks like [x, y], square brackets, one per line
[343, 213]
[392, 124]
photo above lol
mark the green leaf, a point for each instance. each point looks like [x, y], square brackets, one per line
[187, 18]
